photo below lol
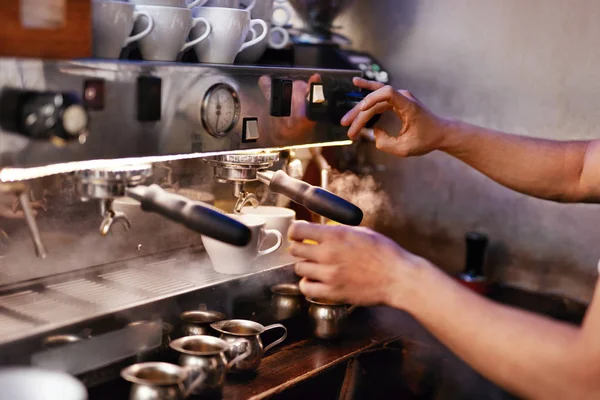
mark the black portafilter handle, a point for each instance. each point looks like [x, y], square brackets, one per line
[313, 198]
[476, 247]
[195, 215]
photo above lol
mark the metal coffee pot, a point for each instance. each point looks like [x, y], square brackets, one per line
[198, 322]
[287, 301]
[159, 380]
[233, 330]
[206, 354]
[328, 320]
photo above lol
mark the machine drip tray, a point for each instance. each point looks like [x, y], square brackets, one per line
[53, 303]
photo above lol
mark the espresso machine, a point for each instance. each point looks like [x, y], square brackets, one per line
[103, 242]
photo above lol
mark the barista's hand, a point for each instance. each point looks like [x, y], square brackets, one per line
[351, 265]
[421, 132]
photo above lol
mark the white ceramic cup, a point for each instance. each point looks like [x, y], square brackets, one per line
[227, 39]
[249, 5]
[228, 259]
[263, 9]
[279, 38]
[281, 16]
[170, 3]
[172, 25]
[112, 24]
[278, 218]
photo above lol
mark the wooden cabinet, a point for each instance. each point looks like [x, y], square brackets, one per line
[46, 28]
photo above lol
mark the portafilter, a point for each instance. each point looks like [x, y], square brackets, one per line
[242, 168]
[106, 184]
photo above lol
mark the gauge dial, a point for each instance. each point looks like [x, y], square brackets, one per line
[220, 110]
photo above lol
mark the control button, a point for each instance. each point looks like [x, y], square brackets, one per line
[370, 74]
[149, 91]
[93, 94]
[376, 67]
[363, 67]
[317, 94]
[281, 97]
[383, 77]
[250, 132]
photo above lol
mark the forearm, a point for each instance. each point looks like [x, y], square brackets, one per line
[529, 355]
[537, 167]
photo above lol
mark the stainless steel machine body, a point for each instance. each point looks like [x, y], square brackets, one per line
[166, 111]
[76, 131]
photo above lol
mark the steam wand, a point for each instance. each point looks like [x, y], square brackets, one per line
[325, 169]
[21, 190]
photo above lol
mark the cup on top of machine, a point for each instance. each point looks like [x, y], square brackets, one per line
[249, 5]
[228, 37]
[113, 22]
[170, 3]
[228, 259]
[172, 26]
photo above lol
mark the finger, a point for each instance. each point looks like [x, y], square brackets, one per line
[313, 271]
[351, 115]
[386, 94]
[309, 252]
[315, 78]
[367, 84]
[365, 116]
[314, 290]
[264, 84]
[300, 231]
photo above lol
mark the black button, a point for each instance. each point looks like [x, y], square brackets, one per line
[149, 91]
[93, 94]
[281, 97]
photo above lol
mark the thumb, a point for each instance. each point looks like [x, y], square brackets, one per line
[384, 141]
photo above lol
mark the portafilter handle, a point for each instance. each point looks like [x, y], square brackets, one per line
[195, 215]
[313, 198]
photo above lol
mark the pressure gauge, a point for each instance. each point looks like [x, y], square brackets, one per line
[220, 110]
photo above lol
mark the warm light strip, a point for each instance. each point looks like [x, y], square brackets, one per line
[10, 174]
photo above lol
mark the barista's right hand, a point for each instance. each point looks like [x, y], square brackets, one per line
[422, 131]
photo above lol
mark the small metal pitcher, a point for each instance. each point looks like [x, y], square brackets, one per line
[235, 329]
[328, 320]
[206, 354]
[287, 301]
[159, 380]
[198, 322]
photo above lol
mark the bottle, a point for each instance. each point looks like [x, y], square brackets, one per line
[473, 276]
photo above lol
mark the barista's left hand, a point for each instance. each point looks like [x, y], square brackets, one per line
[351, 265]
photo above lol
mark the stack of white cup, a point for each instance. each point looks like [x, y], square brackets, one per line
[233, 30]
[174, 28]
[217, 29]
